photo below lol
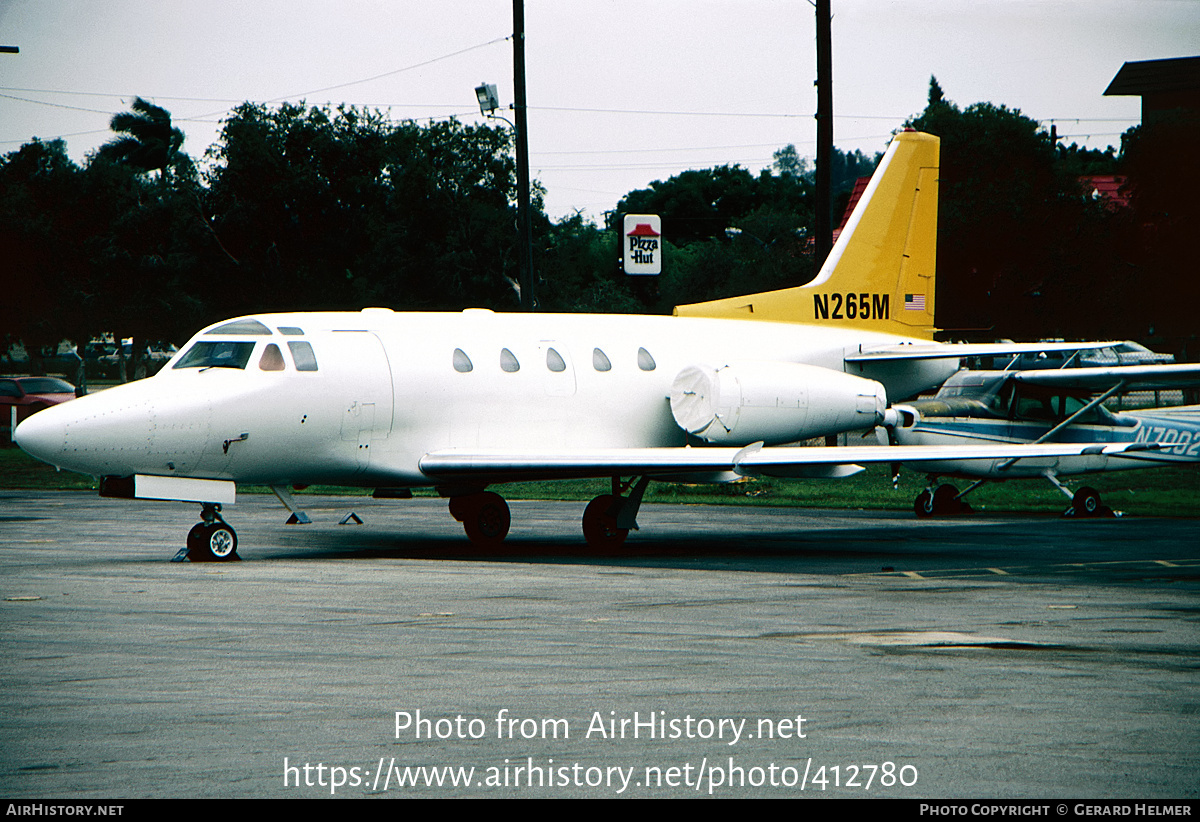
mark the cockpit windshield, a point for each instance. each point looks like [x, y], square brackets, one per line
[217, 355]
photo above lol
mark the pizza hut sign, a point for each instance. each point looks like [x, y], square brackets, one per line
[642, 247]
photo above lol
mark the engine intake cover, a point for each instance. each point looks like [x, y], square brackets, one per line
[775, 402]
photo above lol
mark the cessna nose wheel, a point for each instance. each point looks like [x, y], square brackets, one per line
[941, 501]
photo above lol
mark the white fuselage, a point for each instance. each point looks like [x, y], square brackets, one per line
[390, 387]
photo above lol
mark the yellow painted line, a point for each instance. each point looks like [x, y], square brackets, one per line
[1167, 564]
[999, 571]
[912, 575]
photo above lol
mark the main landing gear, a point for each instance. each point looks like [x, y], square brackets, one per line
[600, 522]
[211, 540]
[607, 519]
[942, 500]
[485, 517]
[1085, 503]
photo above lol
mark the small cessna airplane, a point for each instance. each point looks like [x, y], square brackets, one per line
[462, 401]
[1043, 406]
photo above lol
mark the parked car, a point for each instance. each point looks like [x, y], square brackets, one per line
[156, 355]
[22, 396]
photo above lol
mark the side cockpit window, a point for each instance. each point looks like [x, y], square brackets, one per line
[302, 354]
[271, 359]
[217, 355]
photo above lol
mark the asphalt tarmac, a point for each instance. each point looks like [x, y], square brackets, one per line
[725, 651]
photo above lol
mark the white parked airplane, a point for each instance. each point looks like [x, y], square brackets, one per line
[1043, 406]
[462, 401]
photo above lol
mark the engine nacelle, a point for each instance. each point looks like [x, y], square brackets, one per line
[775, 402]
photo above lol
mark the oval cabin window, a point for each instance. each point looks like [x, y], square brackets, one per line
[645, 361]
[508, 361]
[462, 363]
[600, 360]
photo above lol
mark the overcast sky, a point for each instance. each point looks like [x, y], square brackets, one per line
[621, 92]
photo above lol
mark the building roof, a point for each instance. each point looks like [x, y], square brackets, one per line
[1154, 76]
[1106, 188]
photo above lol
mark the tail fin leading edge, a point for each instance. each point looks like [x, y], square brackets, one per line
[880, 274]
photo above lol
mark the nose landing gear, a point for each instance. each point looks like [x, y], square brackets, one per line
[211, 540]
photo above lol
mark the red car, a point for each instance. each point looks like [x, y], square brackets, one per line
[22, 396]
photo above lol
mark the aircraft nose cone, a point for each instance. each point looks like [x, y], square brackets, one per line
[42, 435]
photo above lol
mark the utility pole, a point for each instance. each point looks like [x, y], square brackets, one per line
[824, 204]
[524, 224]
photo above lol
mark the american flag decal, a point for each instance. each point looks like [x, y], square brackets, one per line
[914, 302]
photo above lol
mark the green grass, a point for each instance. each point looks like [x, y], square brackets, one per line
[1172, 491]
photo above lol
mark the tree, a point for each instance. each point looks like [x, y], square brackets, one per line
[144, 268]
[146, 139]
[45, 221]
[788, 162]
[336, 208]
[1007, 224]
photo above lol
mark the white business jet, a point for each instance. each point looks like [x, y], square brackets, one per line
[463, 401]
[1040, 406]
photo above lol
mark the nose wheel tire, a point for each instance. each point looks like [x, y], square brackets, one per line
[212, 542]
[942, 501]
[923, 504]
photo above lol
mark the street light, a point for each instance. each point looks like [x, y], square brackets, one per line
[489, 101]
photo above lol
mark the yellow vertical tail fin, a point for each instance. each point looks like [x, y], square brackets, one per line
[880, 274]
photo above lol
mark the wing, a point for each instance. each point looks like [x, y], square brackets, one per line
[937, 351]
[499, 465]
[1131, 377]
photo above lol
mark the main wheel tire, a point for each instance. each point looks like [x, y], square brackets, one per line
[212, 543]
[600, 525]
[1086, 502]
[486, 519]
[195, 540]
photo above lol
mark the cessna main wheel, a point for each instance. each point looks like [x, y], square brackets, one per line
[214, 542]
[1086, 504]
